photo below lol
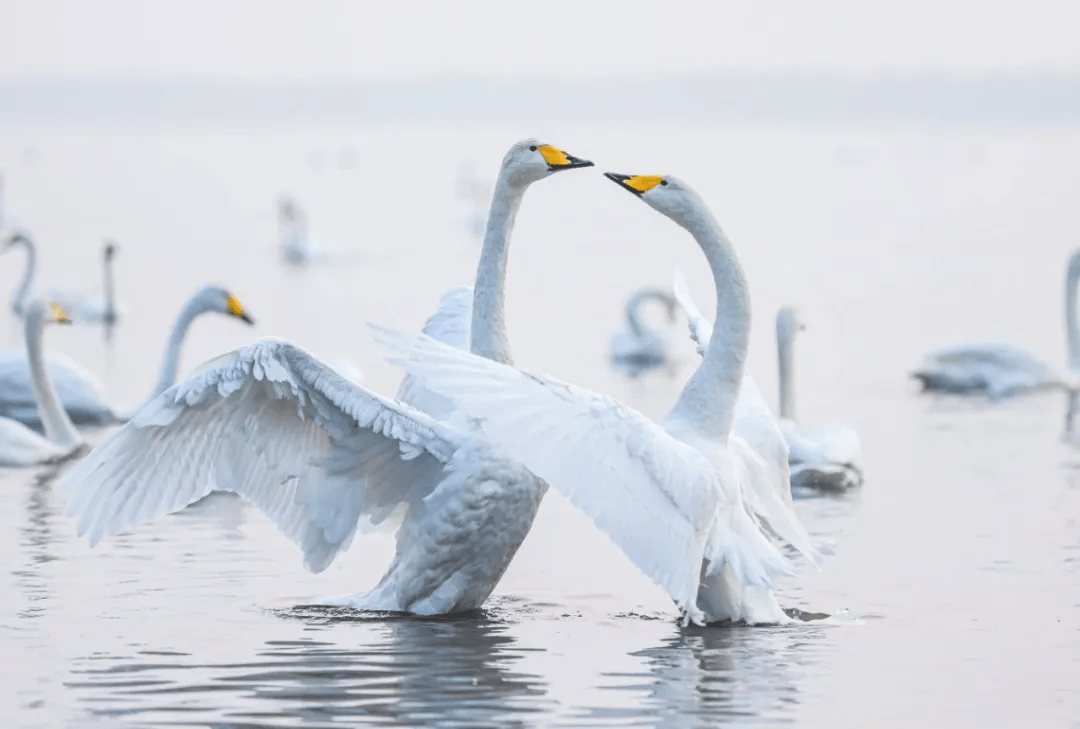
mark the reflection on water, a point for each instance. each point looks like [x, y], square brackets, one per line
[457, 671]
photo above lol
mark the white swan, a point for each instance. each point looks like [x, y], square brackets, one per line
[82, 394]
[320, 455]
[20, 446]
[998, 369]
[824, 457]
[81, 307]
[689, 502]
[293, 233]
[640, 348]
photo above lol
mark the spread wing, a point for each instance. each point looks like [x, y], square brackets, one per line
[278, 426]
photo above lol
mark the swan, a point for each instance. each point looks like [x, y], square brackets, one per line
[999, 369]
[688, 500]
[293, 234]
[639, 348]
[321, 455]
[81, 307]
[824, 457]
[20, 446]
[82, 394]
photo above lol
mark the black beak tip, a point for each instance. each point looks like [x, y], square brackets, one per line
[245, 318]
[620, 180]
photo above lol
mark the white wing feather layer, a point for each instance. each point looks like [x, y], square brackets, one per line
[276, 425]
[658, 498]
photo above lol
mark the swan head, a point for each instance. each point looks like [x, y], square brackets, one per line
[530, 160]
[788, 323]
[666, 194]
[1074, 264]
[109, 251]
[15, 238]
[40, 312]
[217, 299]
[288, 210]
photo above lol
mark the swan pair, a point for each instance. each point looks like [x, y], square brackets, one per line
[639, 348]
[688, 501]
[83, 308]
[80, 393]
[999, 369]
[824, 457]
[19, 445]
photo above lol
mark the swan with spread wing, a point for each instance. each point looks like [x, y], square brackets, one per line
[688, 500]
[323, 456]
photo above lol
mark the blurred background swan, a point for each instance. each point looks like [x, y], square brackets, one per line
[81, 394]
[999, 369]
[638, 347]
[824, 456]
[19, 445]
[293, 239]
[84, 308]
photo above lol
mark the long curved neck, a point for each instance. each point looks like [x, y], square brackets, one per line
[707, 401]
[19, 299]
[489, 294]
[785, 349]
[110, 290]
[633, 308]
[171, 361]
[54, 419]
[1071, 324]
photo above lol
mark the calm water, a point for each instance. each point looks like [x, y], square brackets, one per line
[953, 578]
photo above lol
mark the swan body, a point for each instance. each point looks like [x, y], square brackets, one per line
[639, 348]
[323, 456]
[684, 498]
[20, 446]
[82, 394]
[998, 369]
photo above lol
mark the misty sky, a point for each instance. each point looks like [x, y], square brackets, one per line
[274, 39]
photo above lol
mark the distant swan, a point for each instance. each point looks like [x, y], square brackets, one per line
[82, 394]
[20, 446]
[640, 348]
[293, 233]
[998, 369]
[322, 456]
[687, 500]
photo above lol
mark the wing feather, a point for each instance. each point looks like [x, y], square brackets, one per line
[278, 426]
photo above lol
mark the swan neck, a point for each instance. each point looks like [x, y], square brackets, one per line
[488, 338]
[1071, 315]
[170, 364]
[21, 297]
[785, 346]
[110, 290]
[708, 399]
[54, 419]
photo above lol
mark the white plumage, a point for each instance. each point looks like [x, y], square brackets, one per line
[322, 455]
[686, 502]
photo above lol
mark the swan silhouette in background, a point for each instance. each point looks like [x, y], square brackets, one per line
[79, 306]
[639, 348]
[824, 457]
[81, 394]
[999, 369]
[320, 455]
[293, 239]
[20, 446]
[688, 500]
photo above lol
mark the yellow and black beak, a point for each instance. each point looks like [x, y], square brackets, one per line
[559, 160]
[637, 184]
[232, 304]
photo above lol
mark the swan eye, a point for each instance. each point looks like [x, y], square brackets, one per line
[532, 148]
[663, 182]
